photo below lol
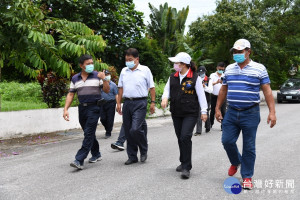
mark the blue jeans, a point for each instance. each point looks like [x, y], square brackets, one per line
[234, 122]
[88, 119]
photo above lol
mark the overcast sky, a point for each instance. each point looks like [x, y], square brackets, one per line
[197, 8]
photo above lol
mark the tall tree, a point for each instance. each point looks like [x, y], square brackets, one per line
[31, 41]
[167, 27]
[272, 27]
[116, 21]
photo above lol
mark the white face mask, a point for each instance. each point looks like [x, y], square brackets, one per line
[108, 77]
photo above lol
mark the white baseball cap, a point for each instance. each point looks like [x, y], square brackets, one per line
[241, 44]
[181, 57]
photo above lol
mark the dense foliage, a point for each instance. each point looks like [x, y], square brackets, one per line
[272, 27]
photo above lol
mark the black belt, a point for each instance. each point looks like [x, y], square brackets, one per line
[134, 99]
[242, 109]
[110, 101]
[88, 104]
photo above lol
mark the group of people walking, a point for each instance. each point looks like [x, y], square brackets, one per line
[191, 94]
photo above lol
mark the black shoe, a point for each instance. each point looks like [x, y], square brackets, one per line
[76, 164]
[129, 162]
[143, 158]
[207, 130]
[107, 136]
[185, 174]
[195, 134]
[179, 168]
[117, 145]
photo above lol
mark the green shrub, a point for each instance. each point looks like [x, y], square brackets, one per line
[53, 87]
[25, 96]
[21, 92]
[159, 90]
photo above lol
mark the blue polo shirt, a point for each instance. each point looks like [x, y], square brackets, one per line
[112, 92]
[244, 84]
[88, 91]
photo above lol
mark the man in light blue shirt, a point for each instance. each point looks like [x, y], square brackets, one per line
[108, 110]
[135, 82]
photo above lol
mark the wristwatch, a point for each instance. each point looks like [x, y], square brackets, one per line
[153, 101]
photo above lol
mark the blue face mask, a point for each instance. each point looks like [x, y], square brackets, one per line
[220, 71]
[108, 77]
[239, 57]
[89, 68]
[130, 64]
[202, 76]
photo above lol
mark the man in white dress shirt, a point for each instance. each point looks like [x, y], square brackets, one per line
[216, 83]
[135, 82]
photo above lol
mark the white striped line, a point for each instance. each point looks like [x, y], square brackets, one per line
[243, 82]
[243, 91]
[243, 101]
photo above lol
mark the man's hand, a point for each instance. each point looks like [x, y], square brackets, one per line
[218, 115]
[101, 75]
[204, 117]
[164, 103]
[272, 119]
[119, 109]
[152, 108]
[66, 115]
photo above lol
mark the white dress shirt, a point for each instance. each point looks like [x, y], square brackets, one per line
[135, 83]
[208, 89]
[199, 90]
[214, 77]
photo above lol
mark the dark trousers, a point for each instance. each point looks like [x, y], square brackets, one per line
[214, 99]
[199, 121]
[107, 116]
[246, 121]
[135, 127]
[122, 138]
[184, 127]
[88, 119]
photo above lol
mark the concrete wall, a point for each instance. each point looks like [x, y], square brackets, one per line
[20, 123]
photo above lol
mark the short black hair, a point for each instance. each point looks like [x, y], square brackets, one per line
[84, 58]
[132, 52]
[221, 64]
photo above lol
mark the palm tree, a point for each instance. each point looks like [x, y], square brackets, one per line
[166, 26]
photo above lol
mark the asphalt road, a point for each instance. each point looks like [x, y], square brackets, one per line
[43, 171]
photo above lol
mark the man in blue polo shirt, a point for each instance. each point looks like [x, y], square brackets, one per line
[88, 84]
[241, 84]
[108, 110]
[135, 82]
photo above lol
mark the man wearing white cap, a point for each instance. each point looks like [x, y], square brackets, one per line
[241, 84]
[186, 93]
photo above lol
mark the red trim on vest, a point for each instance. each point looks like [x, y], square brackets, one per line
[189, 75]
